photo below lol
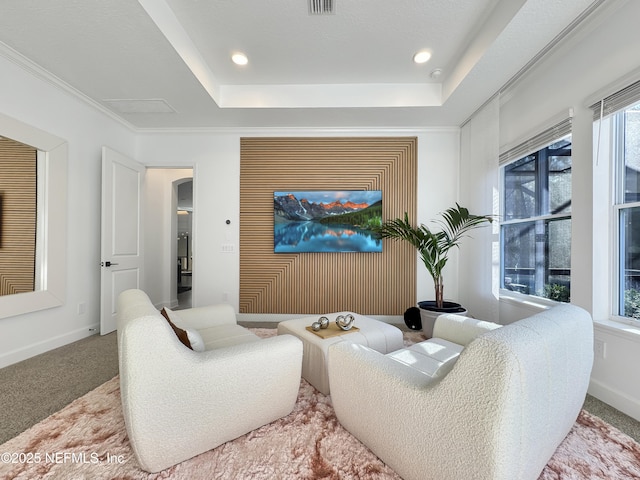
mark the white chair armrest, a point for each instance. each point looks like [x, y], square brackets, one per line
[205, 317]
[460, 329]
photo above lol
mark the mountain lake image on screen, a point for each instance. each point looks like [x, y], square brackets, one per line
[327, 221]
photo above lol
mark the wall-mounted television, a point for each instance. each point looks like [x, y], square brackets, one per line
[326, 221]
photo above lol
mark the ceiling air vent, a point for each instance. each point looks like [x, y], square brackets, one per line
[139, 105]
[321, 7]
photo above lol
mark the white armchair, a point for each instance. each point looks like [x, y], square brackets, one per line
[178, 403]
[498, 413]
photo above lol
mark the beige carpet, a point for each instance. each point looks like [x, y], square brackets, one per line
[87, 440]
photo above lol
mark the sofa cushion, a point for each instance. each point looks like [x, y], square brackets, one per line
[434, 357]
[226, 335]
[180, 333]
[209, 338]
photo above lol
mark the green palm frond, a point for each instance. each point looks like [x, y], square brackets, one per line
[433, 247]
[457, 221]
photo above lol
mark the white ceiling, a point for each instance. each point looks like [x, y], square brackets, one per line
[166, 63]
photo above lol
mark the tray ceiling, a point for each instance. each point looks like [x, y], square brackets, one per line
[167, 63]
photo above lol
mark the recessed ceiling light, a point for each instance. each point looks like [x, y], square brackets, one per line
[239, 59]
[422, 56]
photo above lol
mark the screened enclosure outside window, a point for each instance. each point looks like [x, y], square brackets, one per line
[536, 223]
[627, 138]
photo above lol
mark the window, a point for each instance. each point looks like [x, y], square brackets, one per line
[535, 235]
[626, 150]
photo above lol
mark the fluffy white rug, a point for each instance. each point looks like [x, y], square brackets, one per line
[87, 440]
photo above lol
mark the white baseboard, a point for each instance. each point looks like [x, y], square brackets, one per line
[266, 317]
[615, 398]
[280, 317]
[32, 350]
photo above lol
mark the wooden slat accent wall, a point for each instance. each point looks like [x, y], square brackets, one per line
[310, 283]
[18, 176]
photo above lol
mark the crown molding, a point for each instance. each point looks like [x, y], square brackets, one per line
[300, 131]
[37, 71]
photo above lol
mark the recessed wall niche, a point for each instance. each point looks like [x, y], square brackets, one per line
[18, 193]
[309, 283]
[51, 230]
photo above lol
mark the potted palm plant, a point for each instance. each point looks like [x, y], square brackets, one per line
[434, 248]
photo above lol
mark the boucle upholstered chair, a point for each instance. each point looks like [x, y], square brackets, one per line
[509, 400]
[178, 403]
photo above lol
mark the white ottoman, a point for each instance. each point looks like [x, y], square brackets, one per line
[374, 334]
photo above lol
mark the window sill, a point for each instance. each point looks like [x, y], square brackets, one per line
[618, 328]
[530, 302]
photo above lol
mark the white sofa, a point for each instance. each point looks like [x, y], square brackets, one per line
[497, 410]
[177, 402]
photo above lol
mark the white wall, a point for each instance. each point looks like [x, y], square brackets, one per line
[480, 254]
[31, 100]
[438, 189]
[215, 158]
[602, 53]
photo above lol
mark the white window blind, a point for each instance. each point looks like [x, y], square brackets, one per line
[537, 142]
[613, 103]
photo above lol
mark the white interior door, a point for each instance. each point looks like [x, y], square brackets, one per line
[122, 247]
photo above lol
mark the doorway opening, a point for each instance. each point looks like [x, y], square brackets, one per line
[163, 227]
[184, 247]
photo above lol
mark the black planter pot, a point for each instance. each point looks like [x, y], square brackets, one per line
[429, 312]
[447, 307]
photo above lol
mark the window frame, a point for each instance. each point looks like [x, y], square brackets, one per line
[539, 216]
[617, 148]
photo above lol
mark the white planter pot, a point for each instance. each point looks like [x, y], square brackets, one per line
[429, 313]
